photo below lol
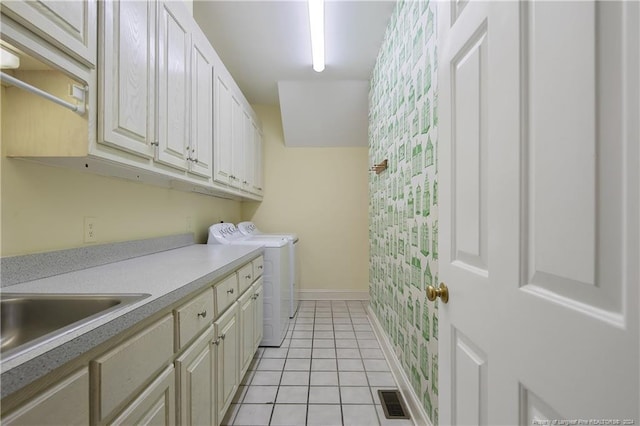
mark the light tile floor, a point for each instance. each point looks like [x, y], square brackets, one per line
[326, 373]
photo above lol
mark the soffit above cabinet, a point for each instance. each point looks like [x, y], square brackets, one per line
[324, 114]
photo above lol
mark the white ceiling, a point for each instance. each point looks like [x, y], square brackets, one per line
[266, 42]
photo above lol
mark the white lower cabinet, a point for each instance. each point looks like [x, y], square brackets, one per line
[247, 323]
[64, 403]
[154, 406]
[195, 380]
[258, 316]
[145, 378]
[251, 311]
[228, 362]
[118, 375]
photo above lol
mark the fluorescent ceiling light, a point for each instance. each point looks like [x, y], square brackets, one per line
[8, 59]
[316, 22]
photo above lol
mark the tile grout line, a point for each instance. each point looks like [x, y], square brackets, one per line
[313, 333]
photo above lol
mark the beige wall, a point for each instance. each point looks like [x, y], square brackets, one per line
[321, 194]
[43, 209]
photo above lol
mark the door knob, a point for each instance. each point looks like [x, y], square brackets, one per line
[442, 293]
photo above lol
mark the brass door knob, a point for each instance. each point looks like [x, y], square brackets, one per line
[442, 293]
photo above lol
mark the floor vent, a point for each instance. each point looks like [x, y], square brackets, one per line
[393, 405]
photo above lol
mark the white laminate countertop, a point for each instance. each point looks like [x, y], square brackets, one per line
[167, 276]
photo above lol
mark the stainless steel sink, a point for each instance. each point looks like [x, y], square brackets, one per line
[28, 320]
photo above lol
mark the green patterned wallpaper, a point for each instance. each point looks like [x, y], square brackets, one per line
[403, 206]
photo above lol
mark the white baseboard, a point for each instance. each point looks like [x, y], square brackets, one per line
[333, 295]
[418, 413]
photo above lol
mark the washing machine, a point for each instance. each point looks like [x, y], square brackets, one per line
[276, 279]
[250, 229]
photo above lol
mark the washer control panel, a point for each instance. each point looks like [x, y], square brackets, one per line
[248, 228]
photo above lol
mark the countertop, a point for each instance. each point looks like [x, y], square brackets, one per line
[167, 276]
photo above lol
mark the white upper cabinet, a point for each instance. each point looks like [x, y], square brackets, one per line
[235, 157]
[202, 90]
[222, 127]
[257, 161]
[247, 157]
[69, 25]
[174, 60]
[166, 110]
[237, 142]
[128, 76]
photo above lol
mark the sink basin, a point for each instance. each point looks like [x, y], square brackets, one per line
[28, 320]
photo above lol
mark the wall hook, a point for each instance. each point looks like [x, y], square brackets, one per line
[380, 167]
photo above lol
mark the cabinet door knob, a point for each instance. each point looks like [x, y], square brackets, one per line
[222, 336]
[202, 314]
[248, 277]
[216, 342]
[260, 267]
[230, 291]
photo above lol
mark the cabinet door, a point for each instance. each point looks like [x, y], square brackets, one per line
[228, 362]
[154, 406]
[247, 323]
[248, 147]
[174, 59]
[194, 369]
[69, 25]
[65, 403]
[257, 161]
[201, 105]
[222, 166]
[120, 372]
[127, 76]
[258, 316]
[237, 142]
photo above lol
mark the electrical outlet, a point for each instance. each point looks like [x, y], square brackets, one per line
[90, 235]
[189, 224]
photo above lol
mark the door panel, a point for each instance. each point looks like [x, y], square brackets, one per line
[573, 145]
[534, 410]
[469, 145]
[470, 389]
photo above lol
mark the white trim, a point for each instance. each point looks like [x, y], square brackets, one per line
[334, 295]
[418, 413]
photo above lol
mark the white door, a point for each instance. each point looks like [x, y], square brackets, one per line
[539, 212]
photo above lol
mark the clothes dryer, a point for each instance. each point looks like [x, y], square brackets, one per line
[276, 278]
[250, 229]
